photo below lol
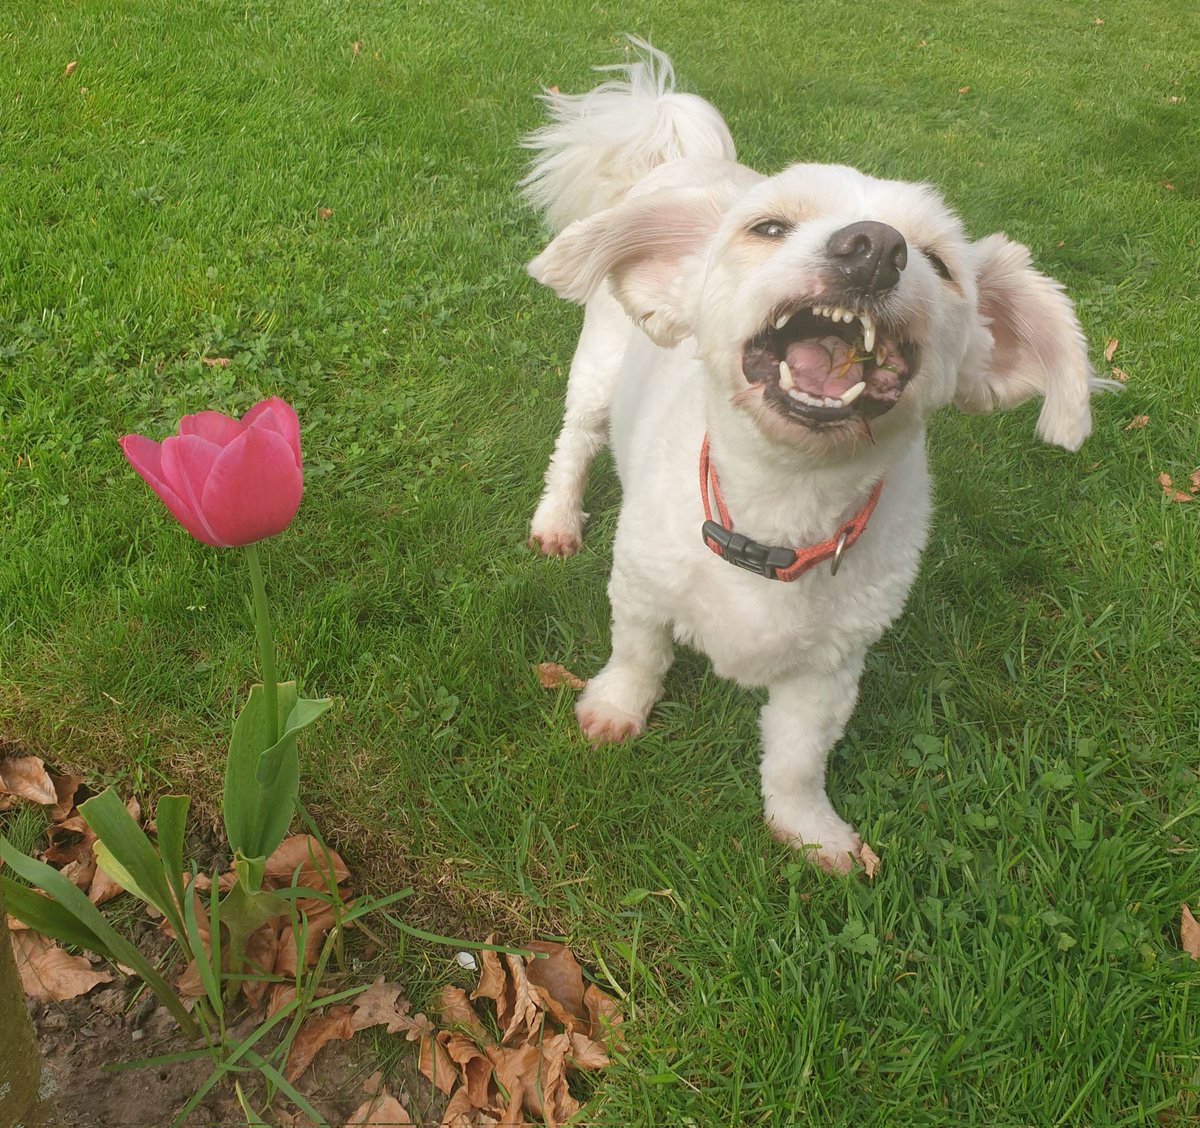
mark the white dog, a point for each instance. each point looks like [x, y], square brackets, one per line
[762, 354]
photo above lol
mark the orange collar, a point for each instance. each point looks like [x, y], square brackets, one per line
[784, 564]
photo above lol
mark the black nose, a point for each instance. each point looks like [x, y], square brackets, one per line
[869, 256]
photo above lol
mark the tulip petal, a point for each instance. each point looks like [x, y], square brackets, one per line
[253, 489]
[146, 457]
[211, 425]
[278, 415]
[187, 462]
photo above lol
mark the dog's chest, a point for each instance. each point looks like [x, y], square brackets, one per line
[756, 631]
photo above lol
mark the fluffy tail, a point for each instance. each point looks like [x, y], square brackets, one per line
[598, 145]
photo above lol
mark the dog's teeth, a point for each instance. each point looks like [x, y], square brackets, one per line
[818, 311]
[851, 394]
[880, 356]
[848, 316]
[785, 377]
[782, 320]
[805, 398]
[868, 324]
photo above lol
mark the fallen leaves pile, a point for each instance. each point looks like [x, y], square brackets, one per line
[506, 1051]
[498, 1062]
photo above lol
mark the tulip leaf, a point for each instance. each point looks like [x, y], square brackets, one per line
[208, 963]
[170, 819]
[104, 938]
[49, 917]
[261, 783]
[127, 855]
[303, 713]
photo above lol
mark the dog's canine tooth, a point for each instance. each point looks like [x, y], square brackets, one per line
[880, 356]
[851, 394]
[868, 324]
[785, 377]
[782, 320]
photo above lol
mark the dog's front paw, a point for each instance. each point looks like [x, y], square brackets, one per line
[605, 723]
[555, 542]
[815, 828]
[556, 529]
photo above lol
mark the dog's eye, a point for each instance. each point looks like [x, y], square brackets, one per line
[771, 228]
[938, 264]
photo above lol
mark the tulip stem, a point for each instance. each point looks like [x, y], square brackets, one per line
[266, 646]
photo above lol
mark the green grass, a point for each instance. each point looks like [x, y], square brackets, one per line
[1024, 755]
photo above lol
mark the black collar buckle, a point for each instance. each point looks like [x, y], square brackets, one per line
[762, 559]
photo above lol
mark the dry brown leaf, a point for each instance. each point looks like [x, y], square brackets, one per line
[215, 361]
[524, 1009]
[461, 1113]
[65, 787]
[538, 1072]
[263, 949]
[381, 1109]
[70, 67]
[1194, 479]
[964, 90]
[516, 1066]
[1136, 423]
[586, 1054]
[324, 213]
[70, 848]
[456, 1010]
[27, 778]
[560, 980]
[1169, 489]
[314, 866]
[48, 972]
[436, 1065]
[1189, 932]
[382, 1004]
[356, 47]
[604, 1016]
[102, 887]
[870, 860]
[1110, 348]
[1120, 374]
[552, 675]
[492, 979]
[474, 1066]
[314, 1033]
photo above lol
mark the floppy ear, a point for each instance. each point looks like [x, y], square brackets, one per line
[640, 247]
[1029, 343]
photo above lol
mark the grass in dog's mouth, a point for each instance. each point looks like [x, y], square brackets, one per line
[822, 364]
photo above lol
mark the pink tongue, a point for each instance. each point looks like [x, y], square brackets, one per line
[822, 366]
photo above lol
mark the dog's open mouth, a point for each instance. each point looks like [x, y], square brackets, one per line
[826, 364]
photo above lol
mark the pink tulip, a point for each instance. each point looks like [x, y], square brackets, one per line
[227, 481]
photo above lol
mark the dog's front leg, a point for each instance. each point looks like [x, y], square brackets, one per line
[557, 526]
[619, 698]
[803, 719]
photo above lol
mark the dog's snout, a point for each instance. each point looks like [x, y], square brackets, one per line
[868, 255]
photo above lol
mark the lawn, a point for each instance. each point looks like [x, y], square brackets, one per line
[322, 194]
